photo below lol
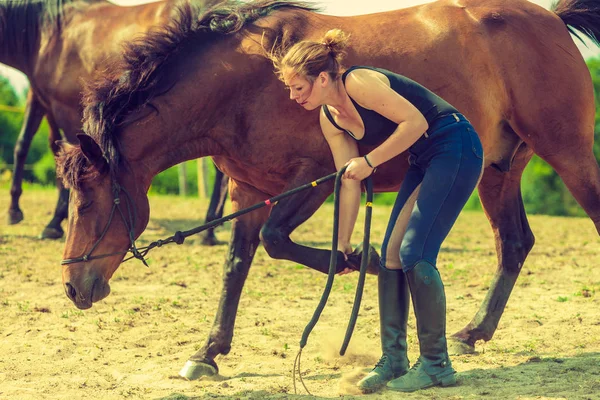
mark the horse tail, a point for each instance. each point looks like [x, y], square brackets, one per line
[583, 15]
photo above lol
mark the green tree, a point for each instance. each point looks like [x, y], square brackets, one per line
[8, 95]
[11, 120]
[594, 66]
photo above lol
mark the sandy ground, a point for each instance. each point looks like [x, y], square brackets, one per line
[133, 344]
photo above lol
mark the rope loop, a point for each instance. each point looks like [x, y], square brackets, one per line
[179, 237]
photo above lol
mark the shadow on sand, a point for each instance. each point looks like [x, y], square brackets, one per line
[539, 377]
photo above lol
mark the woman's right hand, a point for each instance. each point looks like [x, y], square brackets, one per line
[358, 169]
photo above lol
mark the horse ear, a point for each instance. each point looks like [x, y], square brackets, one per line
[92, 151]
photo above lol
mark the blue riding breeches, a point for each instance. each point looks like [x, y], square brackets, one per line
[447, 162]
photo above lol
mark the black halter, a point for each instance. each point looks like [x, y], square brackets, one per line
[129, 222]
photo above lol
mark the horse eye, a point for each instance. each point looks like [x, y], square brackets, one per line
[85, 206]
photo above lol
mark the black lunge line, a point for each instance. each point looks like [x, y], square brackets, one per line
[179, 236]
[331, 274]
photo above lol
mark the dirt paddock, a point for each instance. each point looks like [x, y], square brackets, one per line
[132, 344]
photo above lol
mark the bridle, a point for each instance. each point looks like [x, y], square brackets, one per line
[129, 222]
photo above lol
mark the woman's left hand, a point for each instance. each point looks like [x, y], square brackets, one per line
[357, 169]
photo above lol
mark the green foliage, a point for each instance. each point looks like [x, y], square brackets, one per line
[8, 96]
[10, 122]
[594, 66]
[167, 182]
[45, 170]
[387, 199]
[545, 193]
[10, 126]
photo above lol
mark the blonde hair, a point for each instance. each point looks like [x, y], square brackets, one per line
[309, 58]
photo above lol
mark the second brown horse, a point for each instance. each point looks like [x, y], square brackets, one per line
[58, 44]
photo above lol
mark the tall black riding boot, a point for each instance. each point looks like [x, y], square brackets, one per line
[393, 315]
[433, 367]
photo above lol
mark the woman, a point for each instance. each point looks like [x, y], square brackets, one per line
[373, 106]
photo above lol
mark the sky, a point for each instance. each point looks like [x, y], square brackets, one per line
[333, 7]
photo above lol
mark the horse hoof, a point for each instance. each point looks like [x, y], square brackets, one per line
[15, 216]
[210, 240]
[52, 233]
[457, 347]
[355, 258]
[193, 370]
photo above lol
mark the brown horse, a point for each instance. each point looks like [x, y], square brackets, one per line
[510, 66]
[64, 42]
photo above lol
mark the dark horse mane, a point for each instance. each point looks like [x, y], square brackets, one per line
[139, 75]
[33, 16]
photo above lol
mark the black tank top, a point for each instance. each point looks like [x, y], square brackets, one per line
[377, 127]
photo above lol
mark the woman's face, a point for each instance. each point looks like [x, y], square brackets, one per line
[302, 91]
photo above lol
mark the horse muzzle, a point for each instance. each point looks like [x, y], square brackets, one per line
[86, 292]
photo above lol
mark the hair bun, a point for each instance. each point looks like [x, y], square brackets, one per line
[309, 58]
[336, 41]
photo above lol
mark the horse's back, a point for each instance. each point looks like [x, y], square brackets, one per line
[91, 35]
[545, 78]
[501, 62]
[99, 29]
[509, 65]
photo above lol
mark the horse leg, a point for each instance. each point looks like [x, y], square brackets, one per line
[216, 206]
[292, 211]
[243, 244]
[580, 172]
[34, 112]
[53, 230]
[500, 195]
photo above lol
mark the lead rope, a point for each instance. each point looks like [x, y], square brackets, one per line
[179, 236]
[331, 274]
